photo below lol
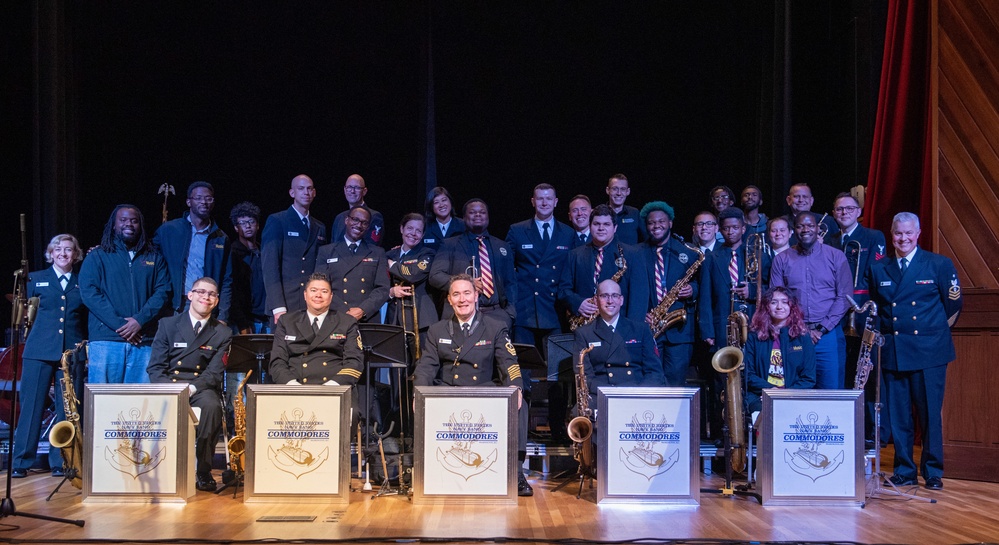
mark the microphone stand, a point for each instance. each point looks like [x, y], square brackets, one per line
[18, 323]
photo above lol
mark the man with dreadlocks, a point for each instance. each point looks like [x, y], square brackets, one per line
[125, 285]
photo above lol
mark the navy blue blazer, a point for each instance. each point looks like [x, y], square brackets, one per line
[432, 237]
[412, 269]
[872, 250]
[576, 283]
[359, 279]
[714, 304]
[624, 357]
[180, 356]
[678, 258]
[538, 269]
[289, 254]
[61, 321]
[174, 241]
[916, 310]
[374, 234]
[455, 255]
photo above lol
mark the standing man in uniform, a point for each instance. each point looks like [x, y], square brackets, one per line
[579, 218]
[289, 245]
[472, 349]
[919, 299]
[354, 191]
[357, 270]
[630, 229]
[188, 348]
[194, 246]
[670, 260]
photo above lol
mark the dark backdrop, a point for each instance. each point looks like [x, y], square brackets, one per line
[680, 96]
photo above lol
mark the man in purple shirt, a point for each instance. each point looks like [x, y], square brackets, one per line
[819, 276]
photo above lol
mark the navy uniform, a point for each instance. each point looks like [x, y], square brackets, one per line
[374, 234]
[625, 356]
[299, 353]
[455, 256]
[676, 344]
[432, 235]
[630, 226]
[288, 251]
[577, 285]
[715, 299]
[579, 239]
[916, 311]
[360, 279]
[538, 267]
[179, 355]
[60, 324]
[412, 269]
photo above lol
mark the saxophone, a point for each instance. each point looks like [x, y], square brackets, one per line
[581, 428]
[662, 319]
[729, 361]
[577, 320]
[870, 338]
[237, 445]
[68, 435]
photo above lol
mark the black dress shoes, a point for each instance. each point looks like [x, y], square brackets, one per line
[899, 480]
[58, 472]
[18, 473]
[934, 483]
[206, 483]
[524, 487]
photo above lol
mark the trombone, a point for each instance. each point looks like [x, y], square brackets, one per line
[408, 304]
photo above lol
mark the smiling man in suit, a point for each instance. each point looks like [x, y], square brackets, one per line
[188, 348]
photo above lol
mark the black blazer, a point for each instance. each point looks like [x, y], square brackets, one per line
[61, 321]
[359, 279]
[432, 237]
[289, 254]
[179, 356]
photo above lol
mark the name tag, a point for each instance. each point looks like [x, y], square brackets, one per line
[290, 337]
[220, 247]
[292, 233]
[526, 246]
[796, 349]
[443, 341]
[41, 284]
[924, 281]
[180, 345]
[333, 260]
[628, 220]
[594, 345]
[429, 240]
[885, 283]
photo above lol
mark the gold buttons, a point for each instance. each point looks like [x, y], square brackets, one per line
[915, 332]
[475, 377]
[362, 291]
[324, 364]
[305, 365]
[475, 366]
[176, 372]
[456, 377]
[610, 375]
[893, 304]
[304, 380]
[629, 372]
[913, 303]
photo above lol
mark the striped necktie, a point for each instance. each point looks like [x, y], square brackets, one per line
[597, 266]
[660, 273]
[733, 268]
[485, 268]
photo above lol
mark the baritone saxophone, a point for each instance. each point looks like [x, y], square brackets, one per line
[68, 435]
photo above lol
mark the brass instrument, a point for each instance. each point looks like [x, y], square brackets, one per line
[237, 445]
[68, 435]
[730, 361]
[851, 328]
[167, 190]
[823, 229]
[662, 319]
[416, 317]
[870, 338]
[577, 320]
[756, 247]
[581, 428]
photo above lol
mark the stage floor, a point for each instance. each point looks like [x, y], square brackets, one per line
[965, 512]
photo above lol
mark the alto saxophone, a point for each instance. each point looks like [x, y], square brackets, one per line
[662, 318]
[68, 435]
[870, 338]
[577, 320]
[237, 445]
[581, 428]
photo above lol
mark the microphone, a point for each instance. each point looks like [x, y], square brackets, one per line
[32, 311]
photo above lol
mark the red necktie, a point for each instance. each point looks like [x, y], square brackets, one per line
[485, 268]
[597, 266]
[660, 273]
[733, 268]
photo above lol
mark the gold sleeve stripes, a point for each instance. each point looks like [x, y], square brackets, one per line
[514, 371]
[355, 373]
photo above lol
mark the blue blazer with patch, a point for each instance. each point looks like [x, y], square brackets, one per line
[538, 269]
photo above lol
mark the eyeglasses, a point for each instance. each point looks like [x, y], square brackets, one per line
[721, 198]
[706, 224]
[205, 293]
[352, 188]
[610, 296]
[358, 221]
[206, 200]
[246, 223]
[850, 209]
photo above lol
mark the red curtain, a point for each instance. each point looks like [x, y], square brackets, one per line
[901, 177]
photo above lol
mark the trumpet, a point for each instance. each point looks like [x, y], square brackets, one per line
[851, 328]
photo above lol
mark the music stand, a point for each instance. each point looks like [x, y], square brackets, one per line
[561, 371]
[385, 348]
[249, 352]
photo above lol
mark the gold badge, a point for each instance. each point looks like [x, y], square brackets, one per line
[422, 265]
[359, 344]
[510, 348]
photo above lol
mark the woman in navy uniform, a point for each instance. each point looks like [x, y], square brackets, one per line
[61, 323]
[409, 267]
[439, 216]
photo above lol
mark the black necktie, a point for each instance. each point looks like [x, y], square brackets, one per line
[582, 238]
[315, 325]
[466, 328]
[904, 264]
[545, 235]
[305, 222]
[846, 238]
[353, 248]
[197, 328]
[63, 281]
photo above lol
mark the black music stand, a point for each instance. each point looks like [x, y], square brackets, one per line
[561, 371]
[249, 352]
[385, 348]
[530, 359]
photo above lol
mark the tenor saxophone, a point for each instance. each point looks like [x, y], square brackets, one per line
[581, 428]
[237, 445]
[661, 318]
[68, 435]
[577, 320]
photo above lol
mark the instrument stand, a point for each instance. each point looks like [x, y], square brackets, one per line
[70, 473]
[18, 323]
[235, 483]
[582, 473]
[728, 489]
[877, 480]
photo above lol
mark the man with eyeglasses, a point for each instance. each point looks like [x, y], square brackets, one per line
[669, 260]
[194, 246]
[188, 348]
[630, 229]
[354, 190]
[357, 270]
[705, 231]
[248, 313]
[289, 245]
[863, 247]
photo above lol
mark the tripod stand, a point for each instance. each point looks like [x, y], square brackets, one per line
[246, 353]
[20, 320]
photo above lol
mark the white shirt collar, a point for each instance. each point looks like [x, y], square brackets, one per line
[613, 323]
[852, 229]
[540, 226]
[68, 275]
[194, 319]
[322, 317]
[909, 257]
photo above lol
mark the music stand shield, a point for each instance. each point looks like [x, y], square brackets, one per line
[249, 352]
[385, 348]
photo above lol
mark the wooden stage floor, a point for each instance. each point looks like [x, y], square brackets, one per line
[965, 512]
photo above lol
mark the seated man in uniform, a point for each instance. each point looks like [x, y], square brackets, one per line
[188, 347]
[470, 349]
